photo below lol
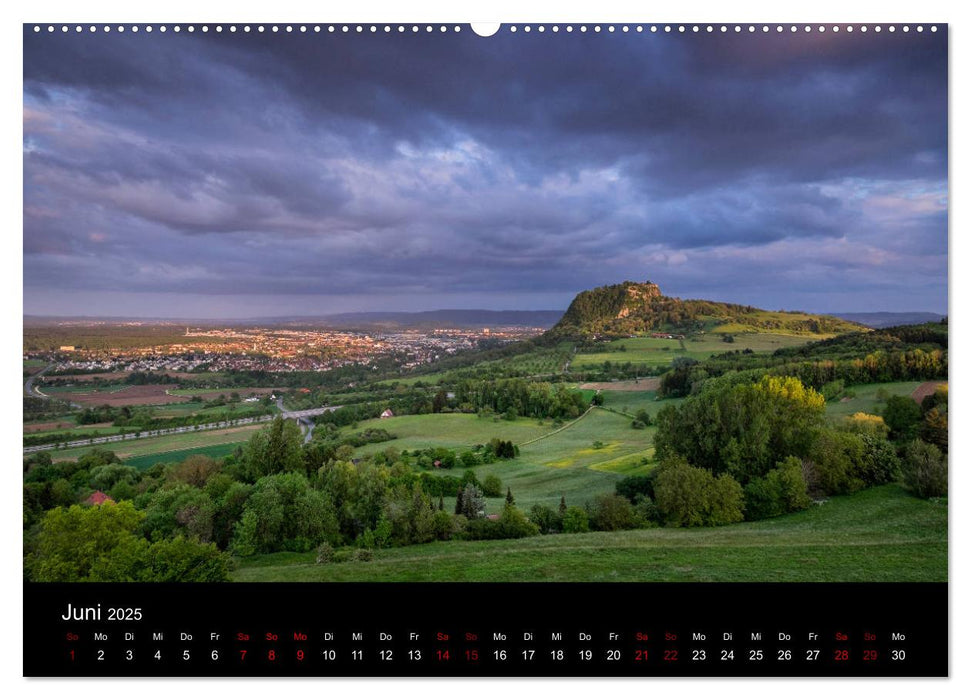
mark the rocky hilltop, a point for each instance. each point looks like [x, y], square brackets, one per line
[629, 308]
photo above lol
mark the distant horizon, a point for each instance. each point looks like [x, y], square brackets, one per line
[389, 312]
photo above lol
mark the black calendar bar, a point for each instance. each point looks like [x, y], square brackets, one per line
[582, 629]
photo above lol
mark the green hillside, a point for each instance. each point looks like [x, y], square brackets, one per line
[633, 308]
[880, 534]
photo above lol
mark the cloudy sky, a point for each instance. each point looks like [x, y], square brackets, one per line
[234, 175]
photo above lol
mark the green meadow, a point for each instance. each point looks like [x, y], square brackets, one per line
[214, 451]
[880, 534]
[662, 351]
[865, 398]
[630, 402]
[456, 431]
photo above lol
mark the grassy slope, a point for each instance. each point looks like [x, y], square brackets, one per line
[865, 398]
[882, 534]
[631, 402]
[655, 351]
[574, 446]
[453, 430]
[563, 463]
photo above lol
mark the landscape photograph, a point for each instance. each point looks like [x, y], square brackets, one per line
[561, 304]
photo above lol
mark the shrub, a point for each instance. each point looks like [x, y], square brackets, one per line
[514, 524]
[832, 390]
[443, 525]
[925, 470]
[635, 487]
[837, 458]
[647, 511]
[363, 555]
[866, 424]
[511, 524]
[575, 519]
[782, 490]
[880, 464]
[689, 496]
[933, 429]
[612, 512]
[902, 415]
[325, 553]
[546, 519]
[492, 486]
[342, 555]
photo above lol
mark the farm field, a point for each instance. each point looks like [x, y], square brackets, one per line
[216, 393]
[880, 534]
[62, 423]
[866, 400]
[430, 379]
[71, 429]
[167, 443]
[143, 394]
[214, 451]
[661, 351]
[451, 430]
[84, 390]
[116, 395]
[33, 366]
[927, 389]
[641, 384]
[541, 361]
[175, 410]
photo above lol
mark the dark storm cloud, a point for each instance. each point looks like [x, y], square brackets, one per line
[409, 167]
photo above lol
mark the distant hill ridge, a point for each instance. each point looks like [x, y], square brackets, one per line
[887, 319]
[463, 318]
[637, 307]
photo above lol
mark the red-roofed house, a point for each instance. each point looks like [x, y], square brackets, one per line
[97, 498]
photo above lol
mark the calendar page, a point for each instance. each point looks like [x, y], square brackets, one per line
[544, 349]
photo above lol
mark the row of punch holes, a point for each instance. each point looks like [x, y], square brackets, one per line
[401, 28]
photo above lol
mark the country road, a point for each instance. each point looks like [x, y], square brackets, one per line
[31, 390]
[302, 417]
